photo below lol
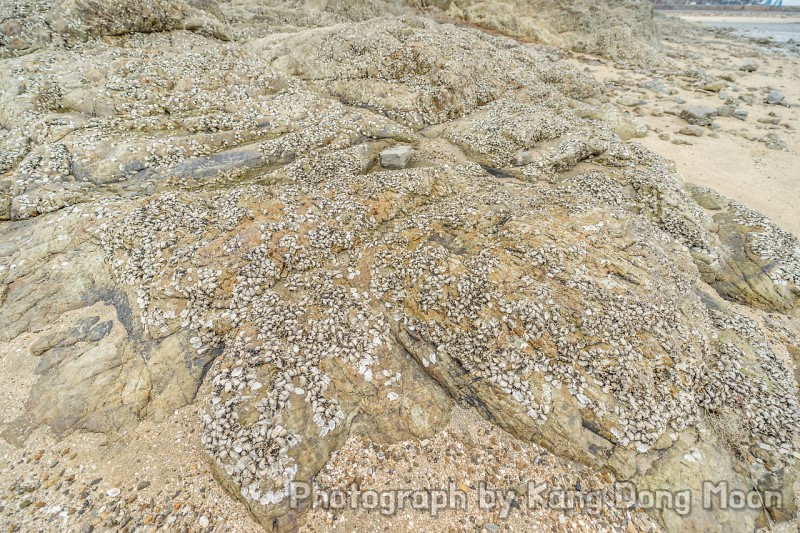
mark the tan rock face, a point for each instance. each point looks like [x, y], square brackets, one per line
[214, 212]
[617, 29]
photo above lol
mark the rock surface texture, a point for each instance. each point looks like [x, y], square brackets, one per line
[202, 189]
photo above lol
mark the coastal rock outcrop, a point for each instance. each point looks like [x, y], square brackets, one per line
[203, 204]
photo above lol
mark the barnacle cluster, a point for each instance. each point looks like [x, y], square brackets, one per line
[522, 295]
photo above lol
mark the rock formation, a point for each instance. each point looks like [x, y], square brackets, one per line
[199, 185]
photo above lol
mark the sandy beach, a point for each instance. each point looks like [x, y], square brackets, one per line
[729, 159]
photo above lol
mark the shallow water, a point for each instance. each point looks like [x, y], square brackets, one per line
[779, 31]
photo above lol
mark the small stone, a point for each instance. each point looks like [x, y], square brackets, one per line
[748, 99]
[749, 66]
[774, 142]
[699, 115]
[492, 528]
[203, 521]
[692, 131]
[740, 114]
[142, 485]
[113, 492]
[397, 157]
[775, 97]
[714, 87]
[630, 101]
[726, 110]
[773, 121]
[656, 86]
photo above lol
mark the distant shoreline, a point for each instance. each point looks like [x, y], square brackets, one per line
[733, 10]
[694, 16]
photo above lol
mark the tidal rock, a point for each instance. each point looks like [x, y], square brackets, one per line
[189, 218]
[84, 19]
